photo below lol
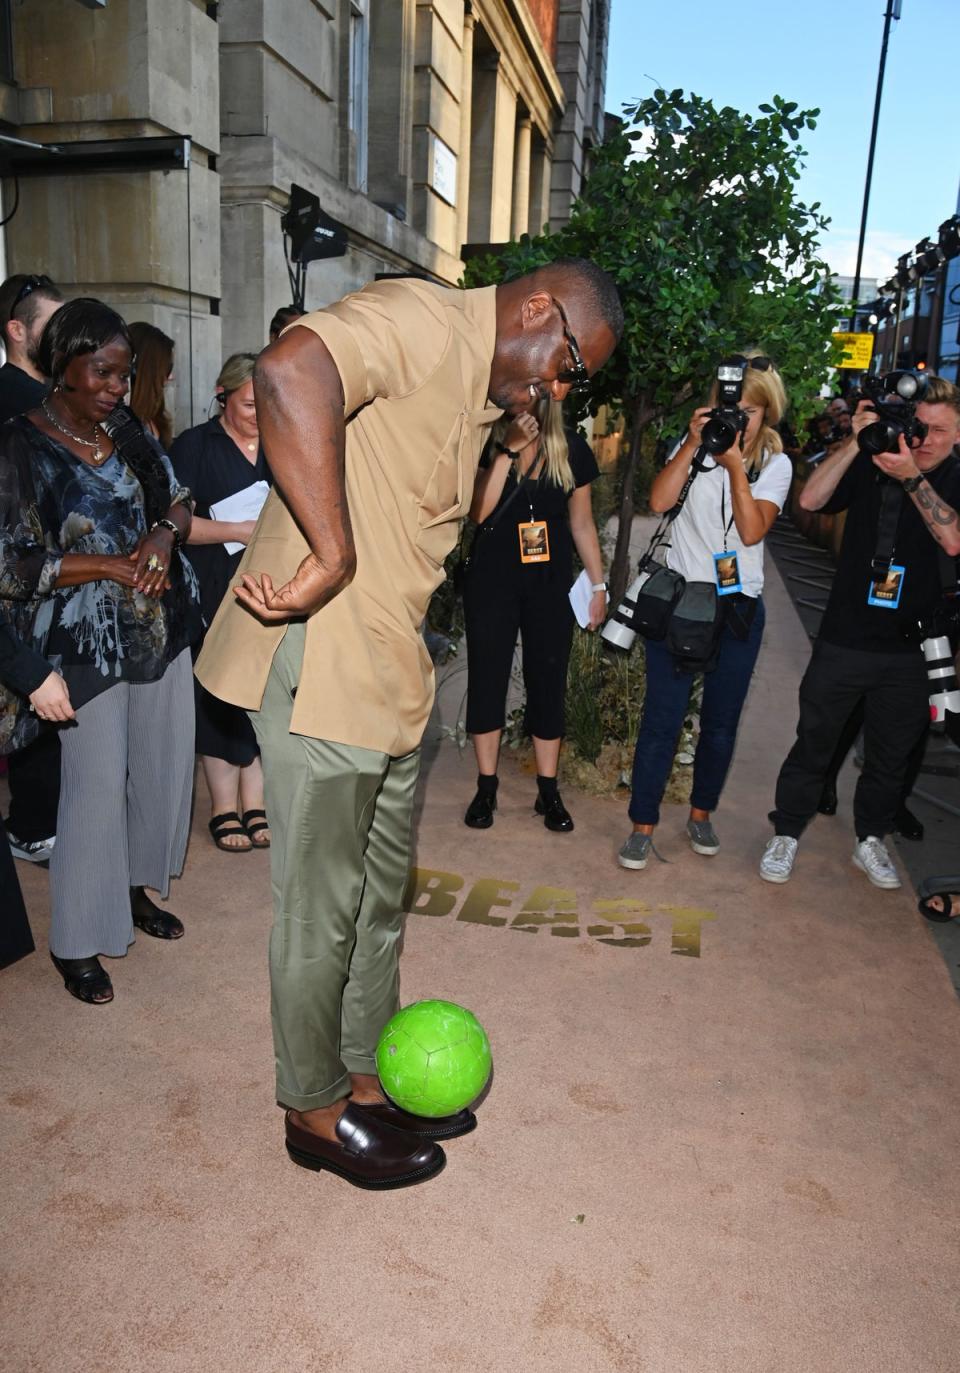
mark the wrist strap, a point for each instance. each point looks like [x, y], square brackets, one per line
[511, 453]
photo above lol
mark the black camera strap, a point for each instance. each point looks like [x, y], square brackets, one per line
[891, 503]
[666, 520]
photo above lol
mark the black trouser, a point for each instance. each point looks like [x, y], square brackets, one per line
[893, 690]
[34, 775]
[496, 609]
[849, 737]
[16, 941]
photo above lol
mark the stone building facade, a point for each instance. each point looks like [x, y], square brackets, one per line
[420, 127]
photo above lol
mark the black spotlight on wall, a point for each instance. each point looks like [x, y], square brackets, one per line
[926, 259]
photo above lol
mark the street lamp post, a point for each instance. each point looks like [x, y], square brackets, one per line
[893, 12]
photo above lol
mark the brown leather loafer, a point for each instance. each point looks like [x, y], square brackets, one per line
[370, 1154]
[424, 1127]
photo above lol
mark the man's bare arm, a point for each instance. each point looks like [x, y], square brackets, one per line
[826, 476]
[300, 402]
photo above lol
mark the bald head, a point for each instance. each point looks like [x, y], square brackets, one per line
[549, 322]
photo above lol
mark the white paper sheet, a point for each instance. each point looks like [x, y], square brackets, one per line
[581, 594]
[242, 505]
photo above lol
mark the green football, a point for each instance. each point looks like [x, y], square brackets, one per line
[433, 1058]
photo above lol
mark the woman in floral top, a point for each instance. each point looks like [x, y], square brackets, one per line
[92, 578]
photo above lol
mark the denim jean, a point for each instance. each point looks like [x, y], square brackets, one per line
[667, 697]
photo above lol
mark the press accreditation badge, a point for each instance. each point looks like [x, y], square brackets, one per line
[886, 591]
[534, 542]
[726, 569]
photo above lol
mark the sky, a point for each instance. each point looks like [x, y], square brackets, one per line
[822, 53]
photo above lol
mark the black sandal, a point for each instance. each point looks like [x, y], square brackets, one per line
[944, 887]
[229, 823]
[85, 978]
[254, 829]
[151, 919]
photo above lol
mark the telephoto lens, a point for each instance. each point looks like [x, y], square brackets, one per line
[942, 677]
[619, 630]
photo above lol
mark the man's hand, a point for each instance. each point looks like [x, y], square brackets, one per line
[899, 465]
[311, 587]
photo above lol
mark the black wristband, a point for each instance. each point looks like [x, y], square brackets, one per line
[502, 448]
[910, 484]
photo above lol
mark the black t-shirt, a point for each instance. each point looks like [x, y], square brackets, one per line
[538, 500]
[207, 460]
[848, 620]
[19, 392]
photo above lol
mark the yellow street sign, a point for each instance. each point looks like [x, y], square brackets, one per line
[857, 350]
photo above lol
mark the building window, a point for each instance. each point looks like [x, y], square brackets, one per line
[357, 94]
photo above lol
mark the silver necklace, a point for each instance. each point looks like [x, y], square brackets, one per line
[96, 457]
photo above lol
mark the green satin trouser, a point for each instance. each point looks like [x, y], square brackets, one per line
[341, 823]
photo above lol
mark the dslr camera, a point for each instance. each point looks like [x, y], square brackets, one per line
[726, 421]
[895, 398]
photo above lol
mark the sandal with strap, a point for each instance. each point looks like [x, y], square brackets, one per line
[151, 918]
[229, 825]
[948, 890]
[259, 824]
[85, 978]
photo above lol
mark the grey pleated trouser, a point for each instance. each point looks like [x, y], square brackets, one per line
[124, 819]
[341, 819]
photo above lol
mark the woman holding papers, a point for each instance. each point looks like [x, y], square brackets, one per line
[531, 504]
[229, 479]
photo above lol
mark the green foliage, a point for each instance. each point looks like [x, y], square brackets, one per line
[692, 210]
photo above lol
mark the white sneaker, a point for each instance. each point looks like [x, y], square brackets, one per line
[32, 850]
[871, 857]
[776, 865]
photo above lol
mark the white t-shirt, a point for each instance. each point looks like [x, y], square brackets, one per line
[698, 531]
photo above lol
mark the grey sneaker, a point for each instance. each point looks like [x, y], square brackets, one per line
[32, 850]
[871, 857]
[703, 837]
[635, 850]
[776, 865]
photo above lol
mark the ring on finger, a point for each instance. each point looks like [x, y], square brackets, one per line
[154, 564]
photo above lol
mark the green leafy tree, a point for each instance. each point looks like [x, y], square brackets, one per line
[693, 211]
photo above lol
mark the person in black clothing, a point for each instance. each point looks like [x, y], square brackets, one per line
[868, 647]
[28, 677]
[26, 303]
[532, 505]
[219, 459]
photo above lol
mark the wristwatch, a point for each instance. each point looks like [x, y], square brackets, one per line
[599, 586]
[910, 484]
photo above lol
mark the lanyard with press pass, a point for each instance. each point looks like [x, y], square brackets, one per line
[726, 565]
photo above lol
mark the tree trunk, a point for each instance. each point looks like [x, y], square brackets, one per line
[640, 416]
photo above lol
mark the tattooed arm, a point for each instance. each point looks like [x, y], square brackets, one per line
[941, 519]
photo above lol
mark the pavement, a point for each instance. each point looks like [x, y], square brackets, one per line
[719, 1136]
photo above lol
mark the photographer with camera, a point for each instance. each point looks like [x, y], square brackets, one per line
[898, 478]
[730, 479]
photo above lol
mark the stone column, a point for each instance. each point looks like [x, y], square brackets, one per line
[491, 180]
[466, 117]
[540, 169]
[521, 178]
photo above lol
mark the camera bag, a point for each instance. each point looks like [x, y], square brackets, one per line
[693, 633]
[656, 602]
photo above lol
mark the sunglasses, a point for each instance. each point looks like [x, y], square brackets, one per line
[32, 283]
[576, 377]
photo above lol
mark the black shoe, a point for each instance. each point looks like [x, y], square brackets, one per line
[907, 825]
[152, 919]
[85, 978]
[479, 814]
[555, 814]
[828, 800]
